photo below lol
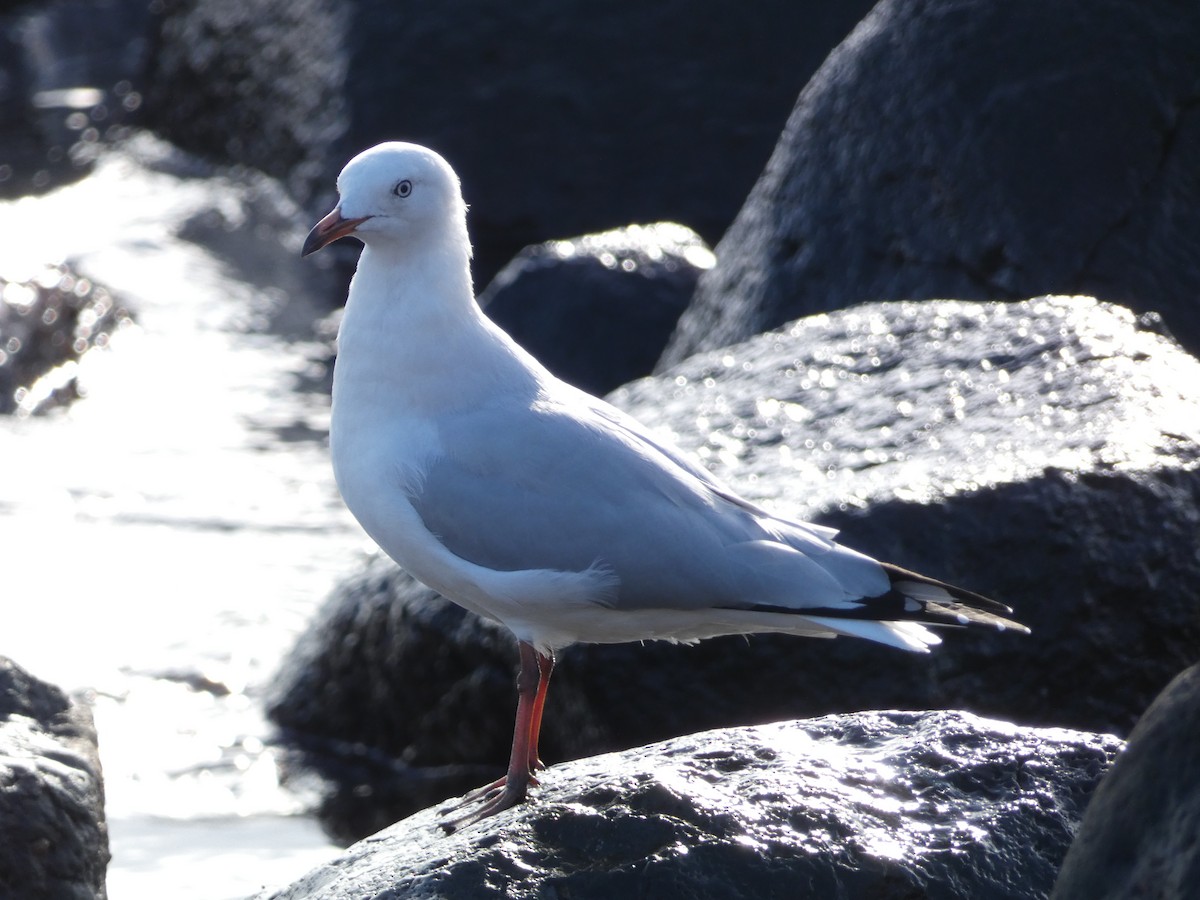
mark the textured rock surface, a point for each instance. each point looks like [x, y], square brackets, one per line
[1139, 836]
[1044, 452]
[397, 698]
[46, 325]
[882, 805]
[597, 310]
[258, 84]
[53, 838]
[979, 150]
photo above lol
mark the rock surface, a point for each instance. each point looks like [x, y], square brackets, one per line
[564, 117]
[53, 837]
[978, 150]
[881, 804]
[1044, 452]
[70, 80]
[46, 325]
[597, 310]
[256, 84]
[1139, 835]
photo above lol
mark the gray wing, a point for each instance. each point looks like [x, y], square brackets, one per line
[626, 423]
[557, 486]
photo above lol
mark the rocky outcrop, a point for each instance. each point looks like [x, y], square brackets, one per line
[1045, 453]
[597, 310]
[562, 118]
[46, 325]
[53, 838]
[257, 84]
[567, 117]
[885, 804]
[977, 150]
[70, 79]
[1138, 837]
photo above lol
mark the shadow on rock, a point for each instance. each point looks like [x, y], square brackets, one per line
[979, 151]
[1138, 837]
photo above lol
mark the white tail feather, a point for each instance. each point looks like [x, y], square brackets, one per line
[904, 635]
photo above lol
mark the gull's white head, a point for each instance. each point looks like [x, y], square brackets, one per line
[395, 193]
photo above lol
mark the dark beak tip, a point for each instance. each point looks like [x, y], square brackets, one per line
[328, 230]
[312, 244]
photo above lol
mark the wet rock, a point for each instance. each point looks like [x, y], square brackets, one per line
[53, 837]
[258, 84]
[878, 804]
[568, 117]
[395, 698]
[955, 148]
[1138, 837]
[70, 81]
[597, 310]
[958, 437]
[1045, 453]
[46, 326]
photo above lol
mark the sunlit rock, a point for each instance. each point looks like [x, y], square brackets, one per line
[887, 805]
[47, 324]
[1046, 453]
[53, 839]
[597, 310]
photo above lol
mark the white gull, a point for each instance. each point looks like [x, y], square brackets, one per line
[529, 502]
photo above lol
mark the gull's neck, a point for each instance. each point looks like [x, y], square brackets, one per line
[414, 340]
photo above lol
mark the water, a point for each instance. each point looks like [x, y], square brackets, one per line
[169, 535]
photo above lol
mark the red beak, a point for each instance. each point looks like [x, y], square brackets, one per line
[328, 230]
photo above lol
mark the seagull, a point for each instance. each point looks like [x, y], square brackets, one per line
[534, 504]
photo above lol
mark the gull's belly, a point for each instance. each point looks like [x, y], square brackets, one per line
[379, 498]
[378, 461]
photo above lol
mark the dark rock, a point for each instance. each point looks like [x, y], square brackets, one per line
[886, 805]
[1044, 453]
[258, 84]
[46, 325]
[597, 310]
[70, 81]
[569, 118]
[53, 837]
[1139, 835]
[396, 698]
[978, 150]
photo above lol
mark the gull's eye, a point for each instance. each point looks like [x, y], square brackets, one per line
[402, 188]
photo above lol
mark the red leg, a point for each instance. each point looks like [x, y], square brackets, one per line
[545, 668]
[509, 791]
